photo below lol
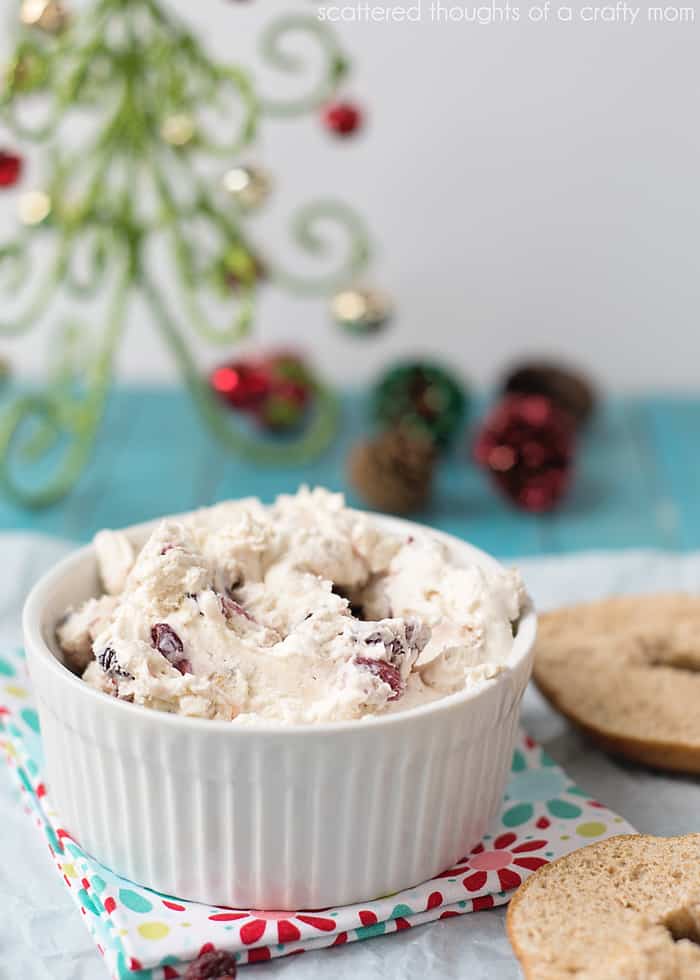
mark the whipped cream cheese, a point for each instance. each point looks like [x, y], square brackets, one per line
[300, 612]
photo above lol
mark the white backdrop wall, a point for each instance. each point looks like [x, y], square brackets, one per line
[531, 187]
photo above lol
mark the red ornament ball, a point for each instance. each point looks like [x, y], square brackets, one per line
[10, 168]
[215, 964]
[527, 445]
[342, 118]
[242, 384]
[275, 389]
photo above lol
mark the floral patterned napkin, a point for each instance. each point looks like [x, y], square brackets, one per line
[143, 935]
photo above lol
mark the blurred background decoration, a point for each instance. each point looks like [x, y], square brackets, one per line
[525, 442]
[527, 206]
[166, 157]
[419, 408]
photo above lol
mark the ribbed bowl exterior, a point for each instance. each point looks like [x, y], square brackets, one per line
[285, 818]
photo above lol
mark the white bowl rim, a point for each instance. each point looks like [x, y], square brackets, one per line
[32, 618]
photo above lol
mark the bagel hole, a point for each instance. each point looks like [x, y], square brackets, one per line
[682, 924]
[356, 610]
[685, 660]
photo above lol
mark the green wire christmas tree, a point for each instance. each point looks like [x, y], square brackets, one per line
[150, 88]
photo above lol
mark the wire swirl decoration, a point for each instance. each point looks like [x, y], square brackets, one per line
[150, 91]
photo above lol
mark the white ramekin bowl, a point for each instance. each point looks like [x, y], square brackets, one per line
[272, 816]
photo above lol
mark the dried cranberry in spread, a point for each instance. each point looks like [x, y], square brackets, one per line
[300, 612]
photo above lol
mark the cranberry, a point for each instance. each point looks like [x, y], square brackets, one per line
[108, 660]
[166, 641]
[394, 646]
[110, 664]
[386, 672]
[230, 608]
[215, 965]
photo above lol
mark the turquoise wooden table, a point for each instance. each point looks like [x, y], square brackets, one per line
[638, 482]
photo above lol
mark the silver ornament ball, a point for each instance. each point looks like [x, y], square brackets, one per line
[361, 311]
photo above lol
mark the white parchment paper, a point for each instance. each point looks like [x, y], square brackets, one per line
[43, 938]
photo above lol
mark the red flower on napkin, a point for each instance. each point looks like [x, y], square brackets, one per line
[502, 861]
[287, 930]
